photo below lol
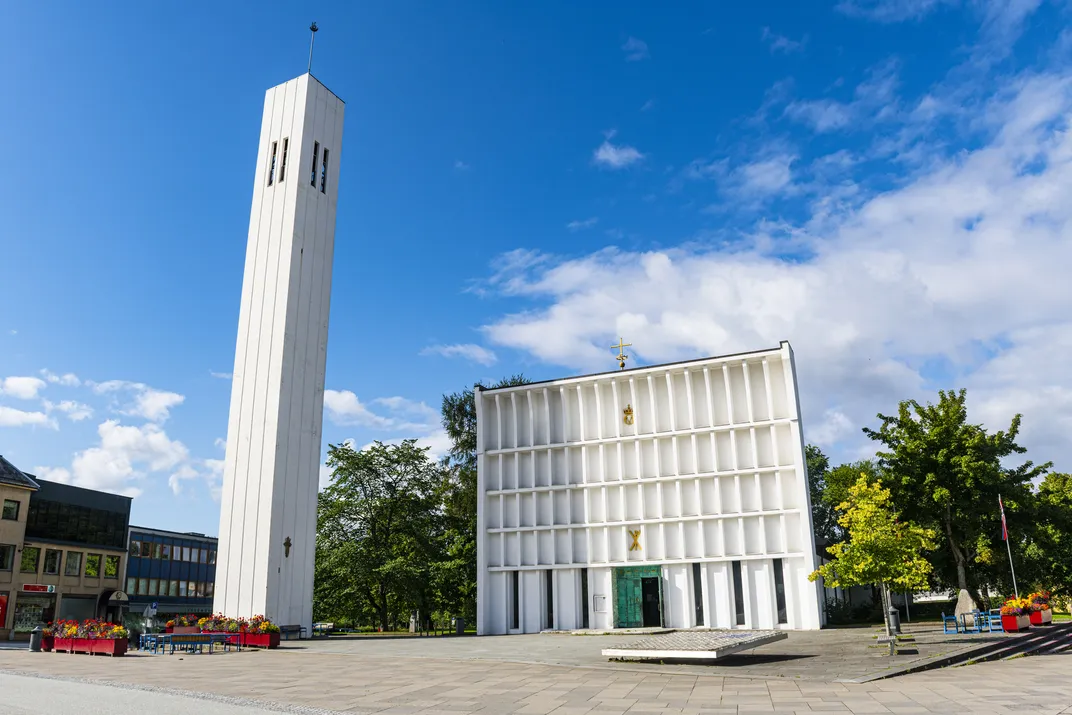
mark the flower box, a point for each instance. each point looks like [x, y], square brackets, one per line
[1039, 618]
[260, 640]
[104, 646]
[48, 643]
[1012, 624]
[184, 630]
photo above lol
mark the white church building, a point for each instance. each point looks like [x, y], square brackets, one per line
[671, 495]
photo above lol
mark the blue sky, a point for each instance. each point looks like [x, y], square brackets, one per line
[885, 183]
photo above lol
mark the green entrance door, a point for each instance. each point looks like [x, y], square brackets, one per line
[630, 609]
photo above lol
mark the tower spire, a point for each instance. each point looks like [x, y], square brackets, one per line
[312, 36]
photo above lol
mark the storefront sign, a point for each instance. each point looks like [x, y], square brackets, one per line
[38, 588]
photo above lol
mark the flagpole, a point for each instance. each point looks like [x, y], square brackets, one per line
[1005, 533]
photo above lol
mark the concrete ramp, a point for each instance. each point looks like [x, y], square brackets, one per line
[693, 645]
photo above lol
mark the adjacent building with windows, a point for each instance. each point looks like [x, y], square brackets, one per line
[62, 552]
[16, 488]
[174, 570]
[671, 495]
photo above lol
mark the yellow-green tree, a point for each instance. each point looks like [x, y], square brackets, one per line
[879, 549]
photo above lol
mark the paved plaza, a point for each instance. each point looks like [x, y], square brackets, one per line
[490, 676]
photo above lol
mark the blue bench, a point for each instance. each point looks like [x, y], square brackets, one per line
[189, 642]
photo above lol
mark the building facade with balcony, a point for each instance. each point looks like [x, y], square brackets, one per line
[174, 570]
[63, 554]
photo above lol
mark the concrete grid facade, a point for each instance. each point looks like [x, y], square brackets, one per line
[271, 473]
[671, 495]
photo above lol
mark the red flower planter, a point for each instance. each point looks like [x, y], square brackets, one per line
[1012, 624]
[104, 646]
[260, 640]
[1039, 618]
[48, 643]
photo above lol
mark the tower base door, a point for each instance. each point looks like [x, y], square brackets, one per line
[649, 588]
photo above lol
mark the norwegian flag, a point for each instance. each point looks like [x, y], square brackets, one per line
[1004, 527]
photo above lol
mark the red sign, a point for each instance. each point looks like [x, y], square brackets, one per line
[3, 611]
[38, 588]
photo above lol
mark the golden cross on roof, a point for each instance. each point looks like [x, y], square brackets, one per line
[621, 357]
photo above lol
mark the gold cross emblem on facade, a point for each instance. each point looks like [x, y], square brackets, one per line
[621, 357]
[635, 546]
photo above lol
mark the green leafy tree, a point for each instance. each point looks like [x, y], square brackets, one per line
[379, 532]
[880, 549]
[830, 487]
[1046, 554]
[823, 518]
[457, 573]
[949, 473]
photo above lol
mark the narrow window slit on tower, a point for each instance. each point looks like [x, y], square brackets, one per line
[283, 162]
[271, 164]
[316, 155]
[324, 173]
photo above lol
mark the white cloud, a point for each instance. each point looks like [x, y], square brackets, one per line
[67, 380]
[22, 388]
[580, 225]
[75, 411]
[461, 165]
[635, 50]
[10, 417]
[222, 375]
[650, 104]
[123, 457]
[469, 351]
[343, 407]
[781, 43]
[766, 176]
[613, 156]
[874, 99]
[891, 10]
[964, 264]
[149, 403]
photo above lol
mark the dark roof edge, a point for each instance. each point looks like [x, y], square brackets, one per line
[729, 356]
[168, 532]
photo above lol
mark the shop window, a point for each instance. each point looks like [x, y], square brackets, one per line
[143, 586]
[154, 584]
[135, 547]
[132, 585]
[182, 589]
[31, 555]
[202, 556]
[165, 552]
[52, 561]
[74, 564]
[146, 550]
[11, 510]
[7, 557]
[156, 551]
[173, 589]
[210, 588]
[212, 557]
[93, 565]
[111, 567]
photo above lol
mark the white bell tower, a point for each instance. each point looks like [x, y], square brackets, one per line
[268, 511]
